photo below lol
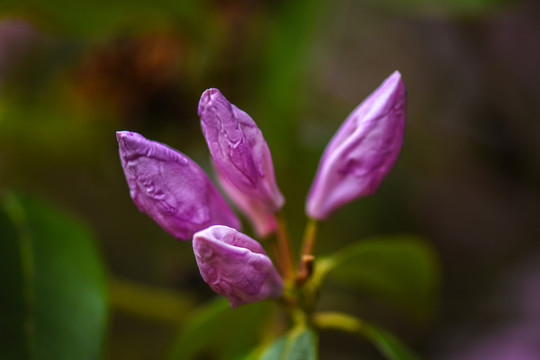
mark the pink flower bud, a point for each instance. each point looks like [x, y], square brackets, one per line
[235, 266]
[362, 152]
[170, 188]
[239, 149]
[263, 221]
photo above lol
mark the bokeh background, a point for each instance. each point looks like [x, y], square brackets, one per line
[72, 73]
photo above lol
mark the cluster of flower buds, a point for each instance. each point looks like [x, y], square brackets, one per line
[175, 192]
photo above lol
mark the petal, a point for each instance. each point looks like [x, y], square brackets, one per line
[235, 266]
[362, 152]
[239, 149]
[263, 221]
[170, 188]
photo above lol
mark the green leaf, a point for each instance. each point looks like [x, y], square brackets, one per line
[402, 271]
[53, 297]
[388, 344]
[299, 344]
[275, 350]
[216, 331]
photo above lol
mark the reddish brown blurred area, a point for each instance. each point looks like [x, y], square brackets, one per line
[133, 76]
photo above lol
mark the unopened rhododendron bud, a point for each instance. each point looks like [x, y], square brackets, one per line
[263, 221]
[236, 266]
[239, 149]
[171, 188]
[362, 152]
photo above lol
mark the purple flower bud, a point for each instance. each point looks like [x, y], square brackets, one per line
[171, 188]
[362, 152]
[236, 266]
[239, 149]
[263, 221]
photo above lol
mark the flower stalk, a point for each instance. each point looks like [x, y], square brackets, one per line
[338, 321]
[305, 268]
[284, 256]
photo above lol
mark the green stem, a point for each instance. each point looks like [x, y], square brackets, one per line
[284, 247]
[339, 321]
[310, 237]
[306, 256]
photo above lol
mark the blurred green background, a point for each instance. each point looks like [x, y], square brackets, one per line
[72, 73]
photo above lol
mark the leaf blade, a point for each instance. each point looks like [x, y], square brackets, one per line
[219, 332]
[299, 344]
[391, 347]
[400, 270]
[60, 281]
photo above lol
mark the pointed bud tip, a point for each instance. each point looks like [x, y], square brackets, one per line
[207, 98]
[121, 135]
[132, 144]
[394, 79]
[128, 139]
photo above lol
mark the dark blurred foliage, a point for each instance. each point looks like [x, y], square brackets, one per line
[138, 76]
[72, 73]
